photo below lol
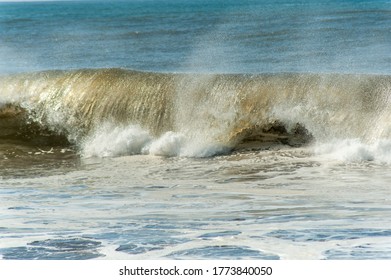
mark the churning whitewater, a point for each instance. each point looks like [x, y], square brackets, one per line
[112, 112]
[202, 129]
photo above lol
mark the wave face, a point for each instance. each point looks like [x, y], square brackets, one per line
[109, 112]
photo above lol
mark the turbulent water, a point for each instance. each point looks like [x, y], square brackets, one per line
[228, 141]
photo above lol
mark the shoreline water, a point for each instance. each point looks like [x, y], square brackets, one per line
[184, 157]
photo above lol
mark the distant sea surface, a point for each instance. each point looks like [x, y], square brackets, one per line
[219, 36]
[195, 129]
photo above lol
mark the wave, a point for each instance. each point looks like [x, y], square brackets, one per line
[109, 112]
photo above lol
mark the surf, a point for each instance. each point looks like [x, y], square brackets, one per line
[111, 112]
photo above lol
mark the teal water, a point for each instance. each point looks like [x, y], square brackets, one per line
[123, 191]
[215, 36]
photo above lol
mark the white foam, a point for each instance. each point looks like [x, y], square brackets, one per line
[169, 144]
[355, 150]
[200, 148]
[110, 141]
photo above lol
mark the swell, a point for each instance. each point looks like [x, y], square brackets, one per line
[222, 111]
[74, 102]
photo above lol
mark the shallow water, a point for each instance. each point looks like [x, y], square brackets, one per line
[280, 204]
[99, 160]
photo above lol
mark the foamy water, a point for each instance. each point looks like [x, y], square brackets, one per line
[197, 130]
[277, 204]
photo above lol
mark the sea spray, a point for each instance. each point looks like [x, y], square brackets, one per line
[355, 150]
[111, 140]
[111, 112]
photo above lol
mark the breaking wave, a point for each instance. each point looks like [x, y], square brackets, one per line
[111, 112]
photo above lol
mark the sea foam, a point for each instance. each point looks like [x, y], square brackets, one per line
[355, 150]
[110, 141]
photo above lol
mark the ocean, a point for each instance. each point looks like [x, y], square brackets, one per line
[150, 129]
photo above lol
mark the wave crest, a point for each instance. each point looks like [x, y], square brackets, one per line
[110, 112]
